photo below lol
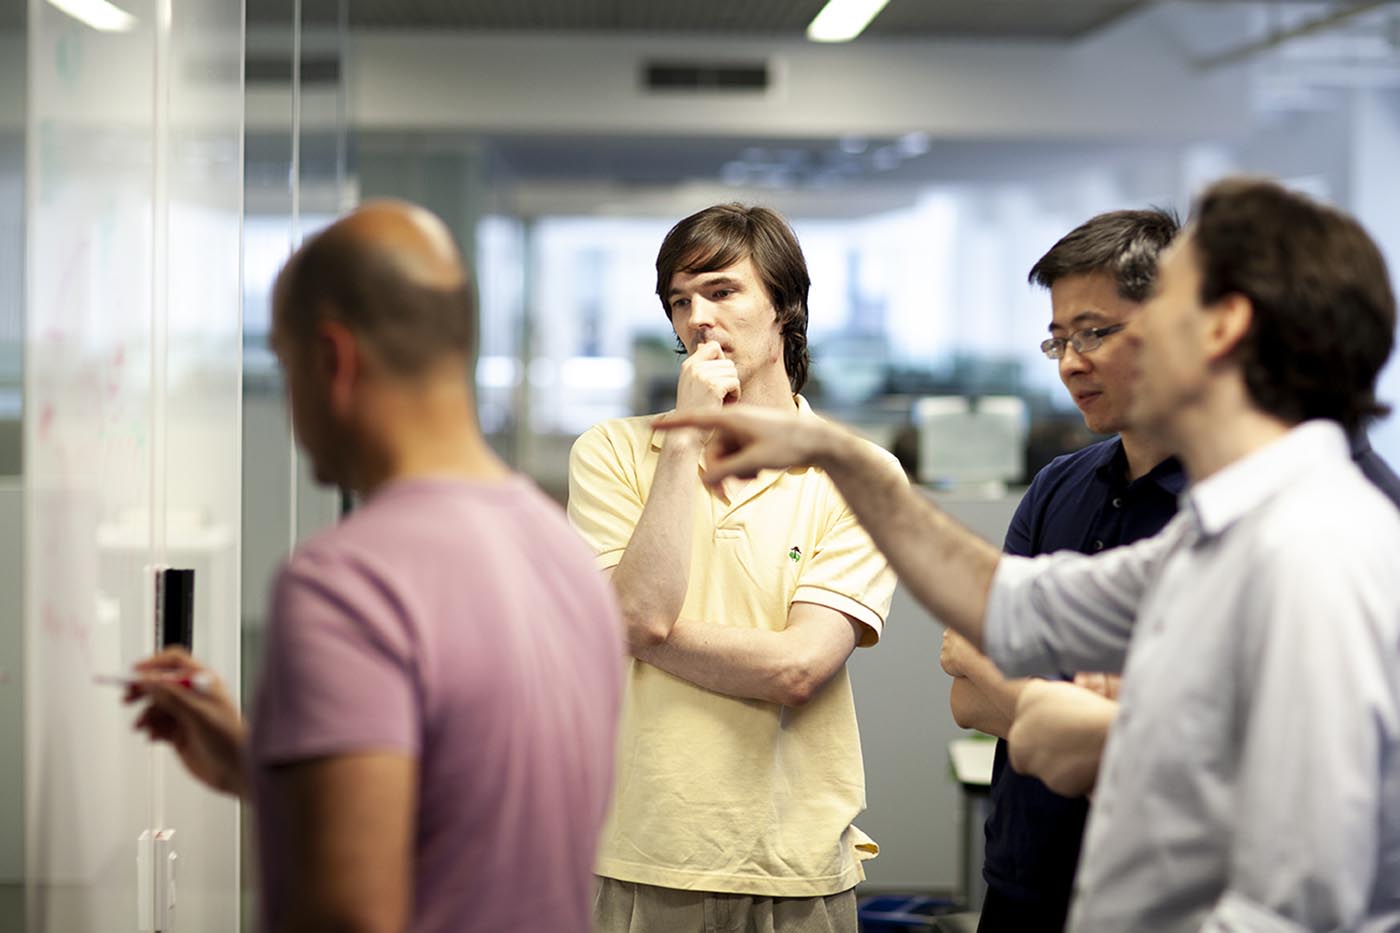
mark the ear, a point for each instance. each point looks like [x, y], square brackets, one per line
[1227, 323]
[338, 358]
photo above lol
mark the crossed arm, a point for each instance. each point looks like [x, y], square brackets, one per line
[981, 697]
[1055, 730]
[1058, 734]
[788, 666]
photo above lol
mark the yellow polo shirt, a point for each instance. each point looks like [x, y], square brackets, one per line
[716, 793]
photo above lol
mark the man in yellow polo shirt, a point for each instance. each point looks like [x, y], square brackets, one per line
[739, 765]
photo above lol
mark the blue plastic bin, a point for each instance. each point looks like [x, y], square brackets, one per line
[901, 913]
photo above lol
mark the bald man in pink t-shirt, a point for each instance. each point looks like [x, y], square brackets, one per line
[432, 744]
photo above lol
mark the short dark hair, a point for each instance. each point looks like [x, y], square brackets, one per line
[722, 235]
[410, 325]
[1122, 244]
[1323, 320]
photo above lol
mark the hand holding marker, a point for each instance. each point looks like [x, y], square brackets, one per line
[187, 706]
[199, 681]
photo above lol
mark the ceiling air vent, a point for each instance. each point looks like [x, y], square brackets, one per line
[700, 77]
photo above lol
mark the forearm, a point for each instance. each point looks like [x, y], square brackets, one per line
[987, 710]
[981, 697]
[747, 663]
[947, 568]
[972, 710]
[652, 576]
[1058, 735]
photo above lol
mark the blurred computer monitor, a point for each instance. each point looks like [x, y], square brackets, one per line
[970, 441]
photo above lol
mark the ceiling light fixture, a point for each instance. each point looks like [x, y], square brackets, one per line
[99, 14]
[843, 20]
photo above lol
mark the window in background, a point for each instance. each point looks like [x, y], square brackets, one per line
[928, 300]
[500, 270]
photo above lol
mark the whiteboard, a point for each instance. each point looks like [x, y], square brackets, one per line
[132, 447]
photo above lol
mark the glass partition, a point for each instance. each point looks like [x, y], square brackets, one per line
[296, 180]
[132, 361]
[13, 46]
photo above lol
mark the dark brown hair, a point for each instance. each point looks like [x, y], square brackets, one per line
[1324, 313]
[409, 325]
[1122, 244]
[722, 235]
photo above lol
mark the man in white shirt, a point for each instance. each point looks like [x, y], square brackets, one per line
[1252, 778]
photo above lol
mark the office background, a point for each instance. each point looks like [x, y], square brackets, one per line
[155, 172]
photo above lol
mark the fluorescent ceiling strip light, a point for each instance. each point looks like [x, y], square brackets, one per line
[99, 14]
[843, 20]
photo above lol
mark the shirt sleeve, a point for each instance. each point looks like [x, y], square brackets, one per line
[849, 574]
[1067, 611]
[1321, 711]
[605, 502]
[338, 673]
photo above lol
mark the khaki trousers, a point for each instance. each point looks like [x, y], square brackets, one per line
[625, 907]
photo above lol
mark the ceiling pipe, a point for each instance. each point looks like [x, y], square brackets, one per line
[1275, 39]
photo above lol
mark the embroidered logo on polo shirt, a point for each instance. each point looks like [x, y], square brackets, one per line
[794, 553]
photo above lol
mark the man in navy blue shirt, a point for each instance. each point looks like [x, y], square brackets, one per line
[1108, 494]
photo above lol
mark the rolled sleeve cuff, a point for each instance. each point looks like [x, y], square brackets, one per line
[1236, 913]
[1010, 626]
[874, 624]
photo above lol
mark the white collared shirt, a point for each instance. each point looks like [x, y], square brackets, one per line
[1252, 778]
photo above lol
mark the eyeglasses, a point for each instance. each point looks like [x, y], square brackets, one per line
[1091, 338]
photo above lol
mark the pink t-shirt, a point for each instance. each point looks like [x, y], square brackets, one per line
[464, 624]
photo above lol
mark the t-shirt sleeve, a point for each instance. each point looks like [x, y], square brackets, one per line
[848, 573]
[605, 502]
[338, 673]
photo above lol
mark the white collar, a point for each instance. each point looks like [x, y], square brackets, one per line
[1227, 496]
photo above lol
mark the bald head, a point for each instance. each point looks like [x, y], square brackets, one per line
[411, 239]
[389, 271]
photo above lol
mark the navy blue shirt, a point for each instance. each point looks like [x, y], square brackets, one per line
[1083, 502]
[1079, 502]
[1374, 468]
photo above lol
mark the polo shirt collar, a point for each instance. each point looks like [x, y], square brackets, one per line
[1169, 475]
[1221, 500]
